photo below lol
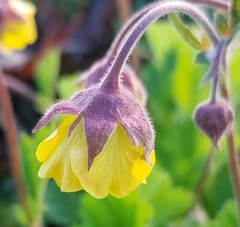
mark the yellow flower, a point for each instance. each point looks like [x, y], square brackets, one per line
[20, 30]
[117, 170]
[103, 145]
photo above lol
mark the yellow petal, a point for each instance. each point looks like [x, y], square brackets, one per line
[55, 153]
[16, 34]
[46, 147]
[117, 170]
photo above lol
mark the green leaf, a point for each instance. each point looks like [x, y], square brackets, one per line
[221, 24]
[236, 6]
[46, 75]
[235, 31]
[200, 58]
[30, 164]
[227, 216]
[172, 81]
[169, 202]
[61, 208]
[185, 32]
[235, 15]
[233, 64]
[12, 215]
[130, 211]
[65, 86]
[217, 188]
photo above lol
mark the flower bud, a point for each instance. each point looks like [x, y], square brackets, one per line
[213, 119]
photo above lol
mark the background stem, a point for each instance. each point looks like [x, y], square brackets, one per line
[204, 173]
[232, 150]
[12, 141]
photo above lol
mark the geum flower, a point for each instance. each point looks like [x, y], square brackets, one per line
[17, 24]
[104, 144]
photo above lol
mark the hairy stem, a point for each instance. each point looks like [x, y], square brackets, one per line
[12, 142]
[161, 10]
[124, 11]
[214, 89]
[221, 4]
[119, 39]
[216, 66]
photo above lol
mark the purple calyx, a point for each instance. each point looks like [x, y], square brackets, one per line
[101, 112]
[128, 78]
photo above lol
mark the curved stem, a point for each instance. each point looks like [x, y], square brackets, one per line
[124, 12]
[120, 38]
[162, 9]
[214, 3]
[137, 16]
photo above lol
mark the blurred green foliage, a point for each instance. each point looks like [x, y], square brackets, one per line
[185, 32]
[168, 198]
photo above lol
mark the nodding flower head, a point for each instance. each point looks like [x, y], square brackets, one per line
[17, 24]
[104, 143]
[213, 118]
[129, 78]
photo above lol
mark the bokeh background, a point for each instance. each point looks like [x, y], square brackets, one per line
[179, 191]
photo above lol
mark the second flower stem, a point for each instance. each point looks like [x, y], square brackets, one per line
[232, 149]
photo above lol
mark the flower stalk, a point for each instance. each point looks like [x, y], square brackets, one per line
[161, 10]
[214, 71]
[214, 3]
[137, 16]
[233, 158]
[120, 38]
[99, 68]
[124, 11]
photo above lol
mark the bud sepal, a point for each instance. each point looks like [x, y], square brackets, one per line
[214, 119]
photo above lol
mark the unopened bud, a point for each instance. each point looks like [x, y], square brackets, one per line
[213, 119]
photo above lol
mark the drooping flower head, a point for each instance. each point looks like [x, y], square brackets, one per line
[103, 145]
[17, 24]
